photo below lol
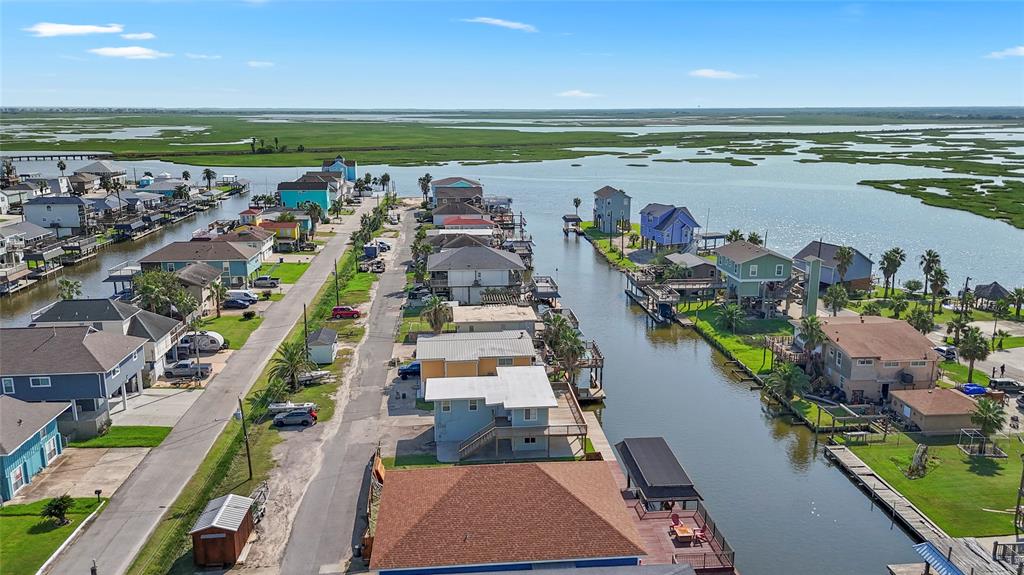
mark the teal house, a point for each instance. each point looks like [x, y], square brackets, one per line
[753, 272]
[295, 194]
[29, 441]
[238, 262]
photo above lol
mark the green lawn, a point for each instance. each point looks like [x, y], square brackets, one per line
[414, 460]
[966, 496]
[357, 289]
[1012, 342]
[412, 324]
[745, 346]
[608, 244]
[289, 272]
[127, 436]
[941, 316]
[234, 328]
[810, 410]
[957, 373]
[27, 540]
[424, 405]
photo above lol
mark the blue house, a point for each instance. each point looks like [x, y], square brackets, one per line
[858, 275]
[29, 441]
[343, 166]
[664, 226]
[611, 209]
[79, 364]
[295, 194]
[238, 262]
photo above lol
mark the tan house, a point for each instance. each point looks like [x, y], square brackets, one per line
[473, 354]
[935, 411]
[869, 356]
[491, 318]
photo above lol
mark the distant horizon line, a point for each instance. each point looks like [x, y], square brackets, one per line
[639, 109]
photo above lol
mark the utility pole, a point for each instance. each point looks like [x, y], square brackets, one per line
[305, 331]
[245, 435]
[337, 301]
[963, 299]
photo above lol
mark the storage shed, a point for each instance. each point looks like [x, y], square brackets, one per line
[220, 533]
[323, 345]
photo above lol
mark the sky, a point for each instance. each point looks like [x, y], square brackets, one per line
[510, 55]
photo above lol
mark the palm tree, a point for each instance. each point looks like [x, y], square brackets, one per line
[424, 182]
[58, 508]
[569, 350]
[336, 207]
[928, 261]
[555, 325]
[1001, 310]
[921, 320]
[252, 144]
[734, 235]
[576, 203]
[835, 298]
[938, 283]
[218, 293]
[180, 192]
[731, 317]
[385, 179]
[755, 238]
[1001, 334]
[844, 259]
[209, 176]
[315, 212]
[813, 334]
[1017, 299]
[69, 289]
[633, 238]
[956, 326]
[899, 304]
[872, 308]
[61, 166]
[989, 416]
[419, 270]
[787, 381]
[891, 262]
[675, 272]
[291, 362]
[276, 145]
[436, 312]
[186, 175]
[973, 347]
[286, 217]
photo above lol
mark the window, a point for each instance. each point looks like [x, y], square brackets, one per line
[918, 363]
[504, 362]
[892, 364]
[39, 382]
[8, 385]
[530, 440]
[114, 373]
[778, 270]
[831, 352]
[474, 404]
[842, 380]
[226, 266]
[135, 355]
[169, 267]
[17, 480]
[529, 414]
[839, 359]
[51, 449]
[753, 270]
[446, 405]
[865, 362]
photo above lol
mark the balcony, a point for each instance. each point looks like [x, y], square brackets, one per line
[13, 272]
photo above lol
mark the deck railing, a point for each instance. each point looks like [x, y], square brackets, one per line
[574, 406]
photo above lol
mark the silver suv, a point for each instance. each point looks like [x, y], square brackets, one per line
[296, 417]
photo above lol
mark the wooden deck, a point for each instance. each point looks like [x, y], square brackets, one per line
[661, 547]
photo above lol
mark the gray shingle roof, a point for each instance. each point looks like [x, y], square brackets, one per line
[457, 209]
[87, 310]
[608, 191]
[471, 345]
[225, 512]
[51, 350]
[20, 420]
[54, 200]
[743, 251]
[474, 258]
[198, 274]
[101, 167]
[152, 326]
[31, 231]
[303, 185]
[322, 336]
[823, 250]
[688, 260]
[444, 182]
[200, 251]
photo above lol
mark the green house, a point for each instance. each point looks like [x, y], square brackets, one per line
[752, 271]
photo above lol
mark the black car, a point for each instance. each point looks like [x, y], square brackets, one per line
[235, 304]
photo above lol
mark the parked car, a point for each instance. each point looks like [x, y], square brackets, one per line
[1007, 384]
[344, 312]
[973, 389]
[303, 417]
[266, 282]
[236, 304]
[188, 368]
[204, 341]
[947, 352]
[383, 246]
[422, 292]
[243, 294]
[411, 370]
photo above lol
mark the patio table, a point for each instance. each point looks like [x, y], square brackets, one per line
[682, 533]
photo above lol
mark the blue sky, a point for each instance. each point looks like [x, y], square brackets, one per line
[282, 53]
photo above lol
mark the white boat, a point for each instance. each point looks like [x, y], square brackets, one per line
[287, 406]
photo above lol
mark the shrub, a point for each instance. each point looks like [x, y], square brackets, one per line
[57, 509]
[248, 314]
[266, 294]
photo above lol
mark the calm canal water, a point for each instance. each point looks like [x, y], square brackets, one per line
[782, 507]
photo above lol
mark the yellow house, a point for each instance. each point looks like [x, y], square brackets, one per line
[473, 354]
[282, 230]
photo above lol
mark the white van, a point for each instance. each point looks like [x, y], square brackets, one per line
[204, 340]
[243, 294]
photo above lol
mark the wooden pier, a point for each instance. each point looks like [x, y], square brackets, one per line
[59, 156]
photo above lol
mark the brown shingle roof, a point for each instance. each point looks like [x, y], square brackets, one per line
[937, 401]
[882, 338]
[509, 513]
[457, 209]
[743, 251]
[200, 252]
[443, 182]
[20, 420]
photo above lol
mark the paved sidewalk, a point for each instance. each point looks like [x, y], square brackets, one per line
[325, 526]
[118, 533]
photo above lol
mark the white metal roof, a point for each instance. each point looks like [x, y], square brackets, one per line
[225, 512]
[470, 346]
[513, 387]
[468, 232]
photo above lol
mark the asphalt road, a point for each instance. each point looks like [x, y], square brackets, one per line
[134, 512]
[325, 526]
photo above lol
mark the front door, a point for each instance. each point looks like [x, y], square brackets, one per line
[885, 391]
[858, 396]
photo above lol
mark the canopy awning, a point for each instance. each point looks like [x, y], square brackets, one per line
[654, 470]
[936, 560]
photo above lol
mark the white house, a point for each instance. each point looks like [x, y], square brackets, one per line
[465, 274]
[66, 215]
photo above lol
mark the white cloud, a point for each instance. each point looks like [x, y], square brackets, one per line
[576, 94]
[139, 36]
[50, 30]
[193, 56]
[715, 74]
[130, 52]
[259, 64]
[511, 25]
[1007, 53]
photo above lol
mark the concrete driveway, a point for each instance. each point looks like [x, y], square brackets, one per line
[80, 472]
[155, 406]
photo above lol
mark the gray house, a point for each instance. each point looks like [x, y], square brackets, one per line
[162, 333]
[82, 365]
[610, 207]
[65, 215]
[858, 275]
[105, 168]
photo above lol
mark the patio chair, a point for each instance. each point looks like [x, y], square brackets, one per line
[675, 519]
